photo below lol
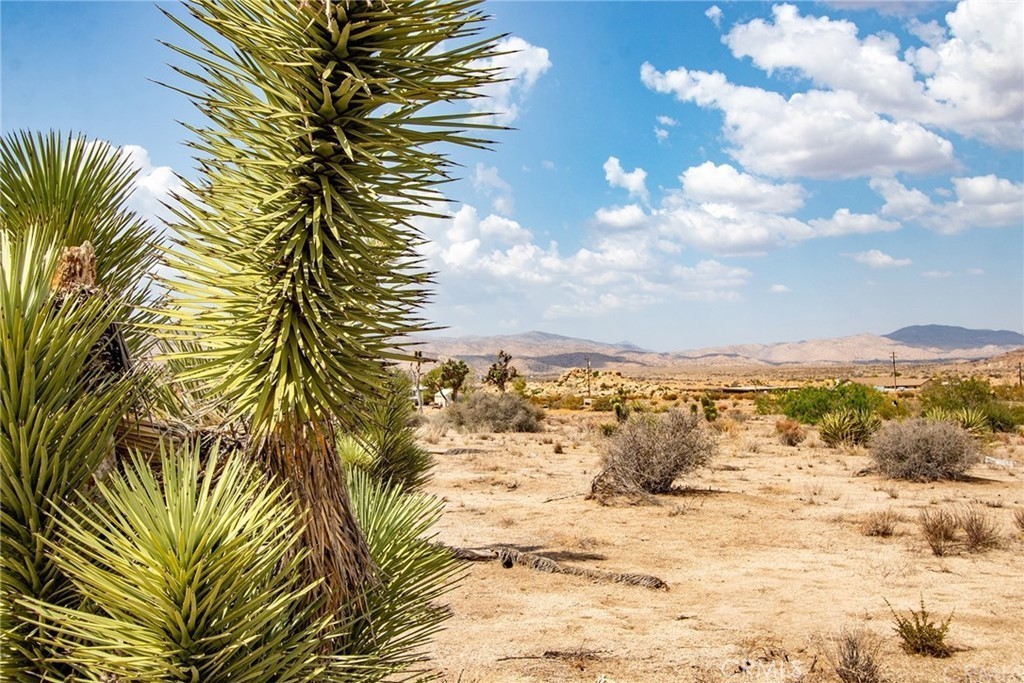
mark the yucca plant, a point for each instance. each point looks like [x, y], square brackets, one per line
[974, 420]
[970, 418]
[354, 452]
[60, 402]
[297, 253]
[384, 430]
[848, 426]
[70, 189]
[940, 414]
[402, 608]
[189, 576]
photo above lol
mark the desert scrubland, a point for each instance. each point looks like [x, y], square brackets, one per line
[768, 553]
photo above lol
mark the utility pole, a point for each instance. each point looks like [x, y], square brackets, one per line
[588, 375]
[894, 371]
[1020, 376]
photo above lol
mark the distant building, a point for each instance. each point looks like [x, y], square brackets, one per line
[889, 384]
[759, 389]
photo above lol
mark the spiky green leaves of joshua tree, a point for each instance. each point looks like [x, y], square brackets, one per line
[297, 249]
[59, 407]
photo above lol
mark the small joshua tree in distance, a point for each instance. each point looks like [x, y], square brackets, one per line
[453, 376]
[501, 373]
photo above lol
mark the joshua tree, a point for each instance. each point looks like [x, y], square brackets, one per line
[297, 249]
[297, 274]
[453, 376]
[500, 372]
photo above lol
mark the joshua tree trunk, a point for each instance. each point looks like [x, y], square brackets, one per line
[303, 457]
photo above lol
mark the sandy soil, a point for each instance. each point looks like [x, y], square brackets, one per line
[765, 559]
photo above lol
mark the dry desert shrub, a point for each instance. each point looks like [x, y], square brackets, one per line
[923, 450]
[1018, 518]
[939, 528]
[487, 412]
[790, 432]
[853, 654]
[881, 523]
[649, 452]
[981, 531]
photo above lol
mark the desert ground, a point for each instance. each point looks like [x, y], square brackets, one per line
[763, 552]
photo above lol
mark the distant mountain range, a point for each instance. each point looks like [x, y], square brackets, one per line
[540, 352]
[948, 337]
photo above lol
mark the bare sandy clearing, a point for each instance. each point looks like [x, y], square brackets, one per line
[763, 557]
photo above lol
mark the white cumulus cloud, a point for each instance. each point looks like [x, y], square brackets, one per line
[878, 259]
[724, 184]
[817, 134]
[634, 182]
[623, 268]
[154, 186]
[520, 65]
[965, 78]
[714, 13]
[986, 201]
[845, 222]
[622, 217]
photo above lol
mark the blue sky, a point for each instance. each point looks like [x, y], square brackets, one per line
[681, 174]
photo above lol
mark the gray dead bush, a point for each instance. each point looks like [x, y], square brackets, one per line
[853, 653]
[923, 450]
[487, 412]
[649, 452]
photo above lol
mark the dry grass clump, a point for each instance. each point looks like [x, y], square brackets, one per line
[923, 450]
[1018, 518]
[649, 452]
[981, 530]
[939, 528]
[853, 654]
[791, 432]
[890, 490]
[724, 425]
[433, 432]
[881, 523]
[487, 412]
